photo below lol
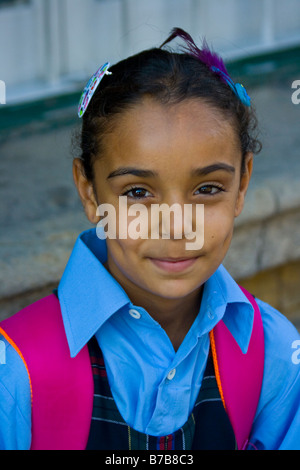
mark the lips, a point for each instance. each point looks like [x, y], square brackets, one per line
[174, 265]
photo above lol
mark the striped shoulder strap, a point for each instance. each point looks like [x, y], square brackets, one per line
[239, 375]
[61, 386]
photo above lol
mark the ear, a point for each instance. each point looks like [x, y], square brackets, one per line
[86, 191]
[244, 183]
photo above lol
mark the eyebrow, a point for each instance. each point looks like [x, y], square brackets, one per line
[132, 171]
[143, 173]
[212, 168]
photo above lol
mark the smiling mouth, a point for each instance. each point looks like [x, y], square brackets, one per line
[173, 264]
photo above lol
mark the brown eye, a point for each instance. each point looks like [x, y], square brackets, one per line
[137, 193]
[209, 189]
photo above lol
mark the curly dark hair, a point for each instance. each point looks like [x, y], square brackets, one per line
[168, 77]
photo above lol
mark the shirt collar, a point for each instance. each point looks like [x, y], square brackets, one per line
[89, 296]
[223, 297]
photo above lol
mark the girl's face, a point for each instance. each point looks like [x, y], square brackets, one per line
[185, 154]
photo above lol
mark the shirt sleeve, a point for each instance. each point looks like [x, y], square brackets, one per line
[15, 400]
[277, 421]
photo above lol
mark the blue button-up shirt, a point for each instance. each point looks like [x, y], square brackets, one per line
[154, 387]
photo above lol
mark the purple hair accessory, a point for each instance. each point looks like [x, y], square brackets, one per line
[212, 60]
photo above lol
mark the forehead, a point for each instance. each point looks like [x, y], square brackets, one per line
[181, 134]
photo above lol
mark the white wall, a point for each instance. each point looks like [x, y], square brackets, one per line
[18, 44]
[49, 46]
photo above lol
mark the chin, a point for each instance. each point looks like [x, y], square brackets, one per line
[175, 289]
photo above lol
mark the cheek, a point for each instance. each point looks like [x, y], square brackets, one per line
[123, 252]
[127, 264]
[133, 223]
[218, 227]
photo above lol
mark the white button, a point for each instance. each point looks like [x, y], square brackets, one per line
[134, 313]
[171, 374]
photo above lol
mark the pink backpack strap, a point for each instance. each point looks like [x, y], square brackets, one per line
[62, 387]
[239, 375]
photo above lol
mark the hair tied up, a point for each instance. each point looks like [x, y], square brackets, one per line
[211, 59]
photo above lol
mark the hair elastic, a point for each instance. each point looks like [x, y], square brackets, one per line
[91, 87]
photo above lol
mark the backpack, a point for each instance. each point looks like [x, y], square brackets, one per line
[62, 387]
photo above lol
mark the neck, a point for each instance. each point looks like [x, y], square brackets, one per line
[175, 316]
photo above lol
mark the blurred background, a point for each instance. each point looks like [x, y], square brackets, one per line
[50, 48]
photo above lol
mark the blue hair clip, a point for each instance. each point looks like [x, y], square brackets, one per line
[237, 88]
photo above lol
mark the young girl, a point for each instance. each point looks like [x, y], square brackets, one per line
[144, 308]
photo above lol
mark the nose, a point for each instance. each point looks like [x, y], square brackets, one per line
[167, 219]
[172, 222]
[179, 220]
